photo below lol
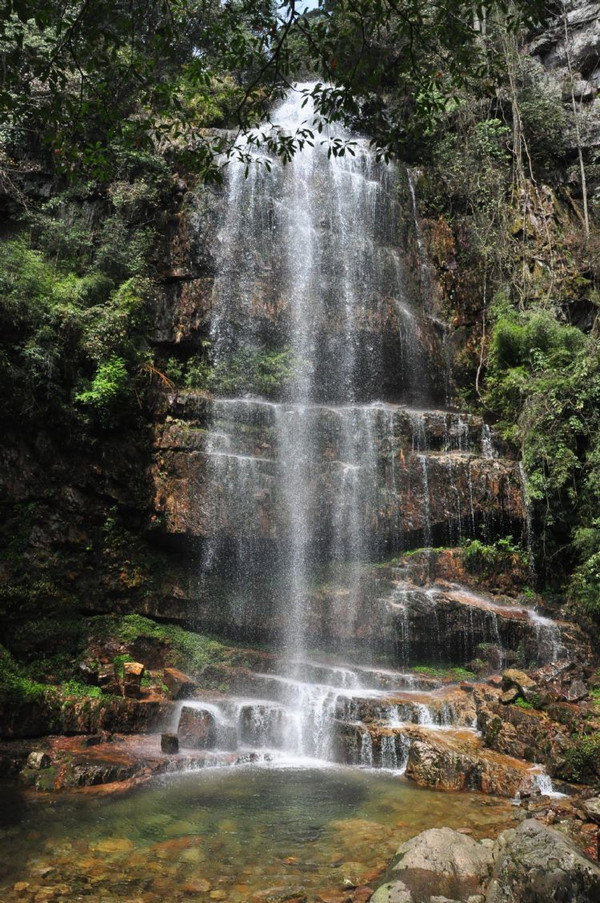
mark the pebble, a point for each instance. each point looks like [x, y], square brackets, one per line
[196, 886]
[114, 845]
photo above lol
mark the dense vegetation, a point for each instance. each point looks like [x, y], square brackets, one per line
[107, 117]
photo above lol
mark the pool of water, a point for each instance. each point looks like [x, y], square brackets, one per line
[234, 834]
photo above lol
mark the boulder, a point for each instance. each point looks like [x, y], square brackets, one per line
[512, 677]
[132, 679]
[460, 763]
[178, 684]
[534, 864]
[443, 864]
[576, 692]
[197, 728]
[37, 760]
[591, 808]
[392, 892]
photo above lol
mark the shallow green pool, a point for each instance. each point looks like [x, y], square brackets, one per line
[224, 834]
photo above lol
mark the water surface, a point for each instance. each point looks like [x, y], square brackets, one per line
[225, 834]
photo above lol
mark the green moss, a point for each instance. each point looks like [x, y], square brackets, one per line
[191, 652]
[16, 685]
[524, 704]
[78, 690]
[453, 672]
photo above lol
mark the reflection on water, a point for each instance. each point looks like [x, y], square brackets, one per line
[226, 835]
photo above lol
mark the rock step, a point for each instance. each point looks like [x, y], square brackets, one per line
[415, 429]
[451, 759]
[426, 623]
[252, 427]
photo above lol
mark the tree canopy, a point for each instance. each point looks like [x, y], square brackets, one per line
[84, 81]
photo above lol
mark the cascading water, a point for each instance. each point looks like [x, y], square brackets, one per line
[321, 454]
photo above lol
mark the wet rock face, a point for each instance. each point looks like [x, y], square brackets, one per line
[89, 716]
[237, 271]
[197, 728]
[411, 477]
[183, 307]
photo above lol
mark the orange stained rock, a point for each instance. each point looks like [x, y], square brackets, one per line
[178, 843]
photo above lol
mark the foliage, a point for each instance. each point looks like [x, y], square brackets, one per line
[582, 760]
[396, 68]
[109, 389]
[15, 684]
[100, 79]
[56, 326]
[488, 560]
[106, 77]
[246, 370]
[543, 116]
[544, 380]
[75, 689]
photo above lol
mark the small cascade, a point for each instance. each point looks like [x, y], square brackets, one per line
[393, 752]
[487, 442]
[427, 535]
[550, 645]
[423, 714]
[543, 784]
[366, 749]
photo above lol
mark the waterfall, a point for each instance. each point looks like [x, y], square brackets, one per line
[325, 448]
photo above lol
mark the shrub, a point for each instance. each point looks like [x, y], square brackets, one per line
[109, 390]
